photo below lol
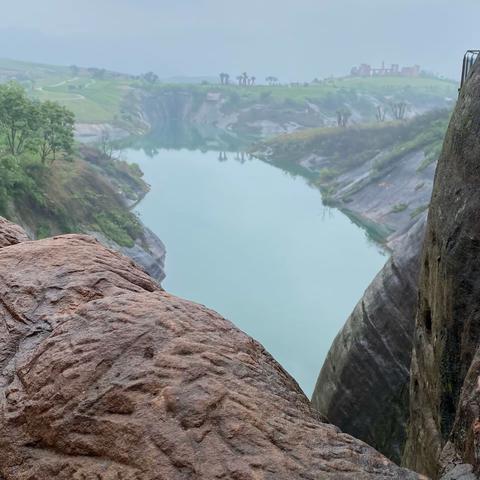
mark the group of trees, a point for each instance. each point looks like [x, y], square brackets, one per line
[272, 80]
[245, 80]
[398, 111]
[42, 128]
[224, 78]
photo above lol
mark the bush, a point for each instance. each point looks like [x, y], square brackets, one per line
[399, 207]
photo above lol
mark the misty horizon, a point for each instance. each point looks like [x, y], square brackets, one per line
[294, 42]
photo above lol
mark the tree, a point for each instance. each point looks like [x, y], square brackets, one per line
[399, 110]
[150, 77]
[106, 145]
[252, 80]
[55, 132]
[343, 116]
[381, 113]
[19, 121]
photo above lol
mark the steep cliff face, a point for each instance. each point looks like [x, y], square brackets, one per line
[104, 375]
[363, 384]
[444, 433]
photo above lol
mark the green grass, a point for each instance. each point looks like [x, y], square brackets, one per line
[91, 100]
[402, 86]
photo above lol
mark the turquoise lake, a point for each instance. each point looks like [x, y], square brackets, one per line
[257, 245]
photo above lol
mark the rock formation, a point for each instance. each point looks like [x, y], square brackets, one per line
[363, 384]
[444, 428]
[11, 234]
[104, 375]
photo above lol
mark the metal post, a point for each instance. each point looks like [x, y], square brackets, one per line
[469, 60]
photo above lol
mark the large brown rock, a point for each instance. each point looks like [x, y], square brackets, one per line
[444, 430]
[11, 234]
[105, 376]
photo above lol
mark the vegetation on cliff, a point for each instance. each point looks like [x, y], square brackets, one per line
[54, 186]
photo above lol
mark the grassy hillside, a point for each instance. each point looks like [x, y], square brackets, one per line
[98, 96]
[343, 149]
[85, 193]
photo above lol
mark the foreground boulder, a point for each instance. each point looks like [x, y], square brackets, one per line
[444, 429]
[363, 385]
[105, 376]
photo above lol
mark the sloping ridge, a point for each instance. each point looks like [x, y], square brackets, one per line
[104, 375]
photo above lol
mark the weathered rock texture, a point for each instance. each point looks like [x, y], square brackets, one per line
[444, 430]
[363, 384]
[105, 376]
[11, 234]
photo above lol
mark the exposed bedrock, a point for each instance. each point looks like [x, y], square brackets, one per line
[444, 428]
[11, 234]
[104, 375]
[363, 384]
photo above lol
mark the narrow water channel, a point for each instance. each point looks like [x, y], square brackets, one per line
[256, 244]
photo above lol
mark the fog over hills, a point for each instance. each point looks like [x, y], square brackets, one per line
[293, 40]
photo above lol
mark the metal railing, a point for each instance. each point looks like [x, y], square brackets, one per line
[468, 62]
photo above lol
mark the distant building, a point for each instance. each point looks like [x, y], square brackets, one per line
[365, 70]
[411, 71]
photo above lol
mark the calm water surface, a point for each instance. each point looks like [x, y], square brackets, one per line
[256, 244]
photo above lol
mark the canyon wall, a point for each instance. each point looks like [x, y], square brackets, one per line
[444, 433]
[363, 384]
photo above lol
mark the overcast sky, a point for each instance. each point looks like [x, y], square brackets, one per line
[291, 39]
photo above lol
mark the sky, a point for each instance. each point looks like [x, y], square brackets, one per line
[294, 40]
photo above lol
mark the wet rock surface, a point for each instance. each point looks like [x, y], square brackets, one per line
[104, 375]
[363, 384]
[444, 429]
[11, 234]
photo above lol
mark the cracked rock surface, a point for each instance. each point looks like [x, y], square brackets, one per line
[103, 375]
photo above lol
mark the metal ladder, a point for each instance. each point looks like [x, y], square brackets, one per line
[469, 60]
